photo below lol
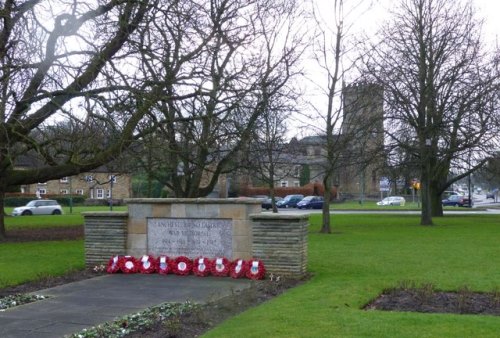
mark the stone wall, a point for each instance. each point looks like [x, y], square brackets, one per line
[105, 236]
[280, 241]
[237, 210]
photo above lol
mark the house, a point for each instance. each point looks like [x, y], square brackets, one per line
[99, 184]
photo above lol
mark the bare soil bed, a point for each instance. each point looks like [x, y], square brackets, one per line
[463, 301]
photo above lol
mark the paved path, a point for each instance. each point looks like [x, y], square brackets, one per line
[75, 306]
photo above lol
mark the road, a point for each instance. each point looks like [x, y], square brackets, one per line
[480, 202]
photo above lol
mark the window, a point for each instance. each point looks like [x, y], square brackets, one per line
[108, 193]
[296, 170]
[64, 191]
[89, 178]
[296, 184]
[100, 193]
[79, 191]
[112, 178]
[64, 180]
[42, 191]
[284, 184]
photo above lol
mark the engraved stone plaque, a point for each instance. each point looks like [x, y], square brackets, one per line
[191, 237]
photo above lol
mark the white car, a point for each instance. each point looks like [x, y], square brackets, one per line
[38, 207]
[392, 200]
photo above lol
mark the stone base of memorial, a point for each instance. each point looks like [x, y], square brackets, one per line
[280, 241]
[230, 228]
[177, 226]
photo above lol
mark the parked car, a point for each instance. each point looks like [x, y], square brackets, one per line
[311, 202]
[456, 201]
[448, 193]
[267, 203]
[393, 200]
[290, 201]
[491, 194]
[38, 207]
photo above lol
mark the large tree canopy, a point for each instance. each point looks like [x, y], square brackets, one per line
[58, 62]
[80, 81]
[229, 60]
[441, 92]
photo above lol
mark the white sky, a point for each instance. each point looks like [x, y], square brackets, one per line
[370, 14]
[373, 15]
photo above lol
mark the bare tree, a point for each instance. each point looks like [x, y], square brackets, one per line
[345, 136]
[269, 154]
[440, 86]
[235, 56]
[52, 59]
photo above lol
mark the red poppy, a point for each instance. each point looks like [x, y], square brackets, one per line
[201, 266]
[256, 269]
[220, 267]
[128, 264]
[164, 265]
[238, 268]
[147, 264]
[113, 265]
[182, 266]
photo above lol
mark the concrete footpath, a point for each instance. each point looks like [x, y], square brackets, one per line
[75, 306]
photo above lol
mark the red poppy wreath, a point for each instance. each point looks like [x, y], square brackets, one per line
[201, 266]
[238, 268]
[220, 267]
[113, 265]
[164, 265]
[256, 269]
[147, 264]
[182, 266]
[128, 264]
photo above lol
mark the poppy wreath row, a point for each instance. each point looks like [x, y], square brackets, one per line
[182, 266]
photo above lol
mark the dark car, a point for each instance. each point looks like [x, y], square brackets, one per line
[456, 201]
[492, 194]
[311, 202]
[267, 203]
[290, 201]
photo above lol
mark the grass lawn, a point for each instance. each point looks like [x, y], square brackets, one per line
[365, 255]
[369, 253]
[40, 221]
[22, 262]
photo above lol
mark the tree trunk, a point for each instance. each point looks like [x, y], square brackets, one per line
[325, 228]
[273, 200]
[3, 234]
[436, 204]
[426, 215]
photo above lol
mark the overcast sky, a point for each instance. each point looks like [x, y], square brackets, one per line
[369, 16]
[378, 11]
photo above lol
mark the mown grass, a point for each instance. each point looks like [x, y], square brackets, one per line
[22, 262]
[74, 218]
[369, 253]
[363, 256]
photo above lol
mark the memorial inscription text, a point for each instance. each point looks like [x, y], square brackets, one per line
[191, 237]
